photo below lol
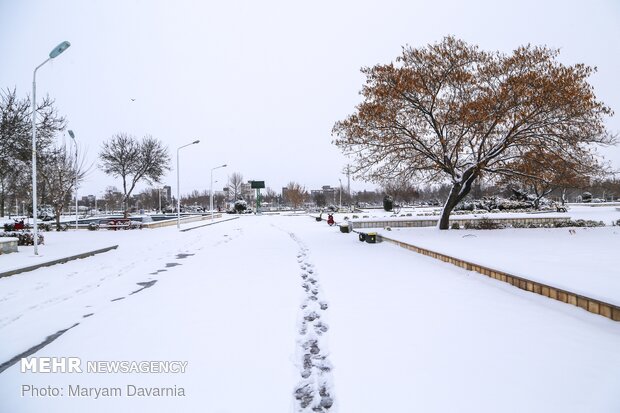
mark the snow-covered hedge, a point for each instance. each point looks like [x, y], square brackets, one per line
[23, 237]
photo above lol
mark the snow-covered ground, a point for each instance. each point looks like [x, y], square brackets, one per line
[584, 261]
[403, 332]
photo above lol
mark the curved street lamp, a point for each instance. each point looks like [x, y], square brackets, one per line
[178, 189]
[211, 187]
[54, 53]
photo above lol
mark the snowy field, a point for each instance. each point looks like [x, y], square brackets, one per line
[389, 331]
[584, 262]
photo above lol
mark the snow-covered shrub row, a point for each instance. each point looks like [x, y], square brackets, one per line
[562, 224]
[23, 237]
[578, 223]
[484, 223]
[525, 203]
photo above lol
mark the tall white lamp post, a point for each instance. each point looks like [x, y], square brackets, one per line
[211, 187]
[178, 190]
[54, 53]
[76, 178]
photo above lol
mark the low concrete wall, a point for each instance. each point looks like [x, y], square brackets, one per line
[184, 220]
[57, 261]
[592, 305]
[8, 245]
[418, 223]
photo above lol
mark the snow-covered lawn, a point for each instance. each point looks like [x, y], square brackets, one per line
[584, 262]
[406, 332]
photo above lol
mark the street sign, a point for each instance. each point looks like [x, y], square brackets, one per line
[257, 184]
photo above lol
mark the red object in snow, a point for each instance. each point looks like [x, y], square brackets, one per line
[330, 220]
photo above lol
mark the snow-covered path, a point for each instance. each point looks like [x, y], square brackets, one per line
[402, 332]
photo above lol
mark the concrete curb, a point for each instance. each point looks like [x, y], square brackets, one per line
[57, 261]
[591, 305]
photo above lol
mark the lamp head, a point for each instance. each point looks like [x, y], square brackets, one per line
[195, 142]
[59, 49]
[71, 134]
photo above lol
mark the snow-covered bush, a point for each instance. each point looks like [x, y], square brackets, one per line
[578, 223]
[484, 223]
[240, 206]
[23, 237]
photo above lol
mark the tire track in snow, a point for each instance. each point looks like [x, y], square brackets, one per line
[314, 392]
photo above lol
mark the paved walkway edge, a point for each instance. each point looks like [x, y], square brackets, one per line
[58, 261]
[592, 305]
[210, 223]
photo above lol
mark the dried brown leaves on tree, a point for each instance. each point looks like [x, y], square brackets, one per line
[451, 112]
[541, 173]
[295, 194]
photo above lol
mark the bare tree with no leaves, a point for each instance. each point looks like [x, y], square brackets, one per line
[16, 144]
[133, 161]
[61, 171]
[449, 112]
[235, 183]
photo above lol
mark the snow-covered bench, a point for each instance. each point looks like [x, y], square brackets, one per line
[8, 245]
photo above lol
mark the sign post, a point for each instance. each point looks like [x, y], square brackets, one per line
[257, 185]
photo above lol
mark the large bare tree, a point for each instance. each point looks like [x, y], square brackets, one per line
[61, 170]
[16, 141]
[449, 112]
[125, 157]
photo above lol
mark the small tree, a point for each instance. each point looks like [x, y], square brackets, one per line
[319, 199]
[112, 198]
[61, 171]
[270, 195]
[235, 186]
[450, 112]
[123, 156]
[295, 194]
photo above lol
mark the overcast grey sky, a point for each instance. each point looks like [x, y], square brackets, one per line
[261, 83]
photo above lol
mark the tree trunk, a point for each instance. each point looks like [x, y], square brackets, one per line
[451, 202]
[125, 208]
[458, 192]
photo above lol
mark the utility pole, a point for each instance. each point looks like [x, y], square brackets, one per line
[349, 183]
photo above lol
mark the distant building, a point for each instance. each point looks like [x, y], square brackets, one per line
[327, 191]
[166, 193]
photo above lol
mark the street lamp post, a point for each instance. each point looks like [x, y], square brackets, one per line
[211, 187]
[340, 194]
[178, 190]
[76, 178]
[54, 53]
